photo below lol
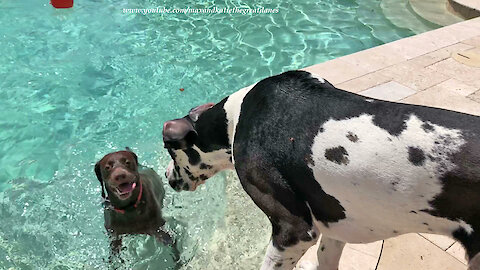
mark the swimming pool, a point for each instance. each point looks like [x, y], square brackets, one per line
[79, 83]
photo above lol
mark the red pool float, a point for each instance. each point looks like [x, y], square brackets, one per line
[62, 3]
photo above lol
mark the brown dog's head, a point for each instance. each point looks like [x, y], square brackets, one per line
[119, 172]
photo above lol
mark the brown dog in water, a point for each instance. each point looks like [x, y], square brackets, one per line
[134, 199]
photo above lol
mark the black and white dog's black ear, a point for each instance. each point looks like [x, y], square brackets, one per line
[99, 177]
[179, 134]
[197, 111]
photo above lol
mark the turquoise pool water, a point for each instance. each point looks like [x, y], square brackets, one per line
[76, 84]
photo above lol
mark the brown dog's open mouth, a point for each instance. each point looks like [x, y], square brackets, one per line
[125, 189]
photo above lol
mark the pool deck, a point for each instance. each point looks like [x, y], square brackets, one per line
[418, 70]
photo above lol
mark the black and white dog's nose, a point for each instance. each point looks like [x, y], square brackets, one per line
[176, 184]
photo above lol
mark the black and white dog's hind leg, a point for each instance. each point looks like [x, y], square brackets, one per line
[329, 253]
[474, 263]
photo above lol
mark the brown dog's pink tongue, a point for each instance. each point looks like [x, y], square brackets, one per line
[126, 187]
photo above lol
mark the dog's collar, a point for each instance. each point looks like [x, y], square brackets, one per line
[139, 197]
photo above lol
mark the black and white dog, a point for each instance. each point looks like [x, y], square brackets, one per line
[317, 159]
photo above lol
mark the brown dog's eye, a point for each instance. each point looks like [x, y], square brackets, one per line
[127, 162]
[107, 168]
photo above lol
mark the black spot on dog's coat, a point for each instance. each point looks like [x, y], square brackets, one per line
[352, 137]
[204, 166]
[427, 127]
[413, 212]
[337, 154]
[212, 129]
[416, 156]
[193, 156]
[322, 248]
[394, 184]
[187, 172]
[278, 264]
[393, 123]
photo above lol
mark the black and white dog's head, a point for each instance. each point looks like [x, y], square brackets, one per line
[189, 143]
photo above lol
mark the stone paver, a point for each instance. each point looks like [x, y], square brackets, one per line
[368, 81]
[374, 59]
[459, 71]
[470, 57]
[360, 257]
[354, 256]
[414, 77]
[439, 55]
[337, 71]
[458, 252]
[475, 96]
[458, 87]
[411, 251]
[475, 41]
[444, 97]
[440, 241]
[391, 91]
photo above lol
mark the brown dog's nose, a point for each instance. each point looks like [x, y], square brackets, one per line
[120, 177]
[119, 174]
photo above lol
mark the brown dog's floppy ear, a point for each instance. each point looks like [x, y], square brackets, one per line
[179, 134]
[133, 154]
[197, 111]
[99, 177]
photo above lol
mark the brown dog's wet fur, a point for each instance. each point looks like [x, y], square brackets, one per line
[132, 214]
